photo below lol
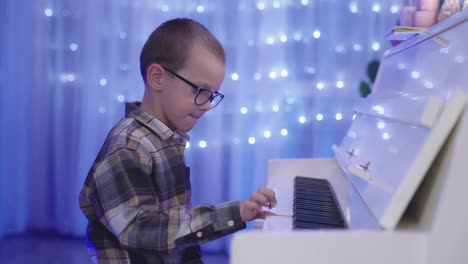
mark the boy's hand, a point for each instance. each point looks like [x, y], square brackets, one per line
[252, 208]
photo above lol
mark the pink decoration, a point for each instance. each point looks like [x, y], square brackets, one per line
[425, 19]
[429, 5]
[449, 7]
[406, 16]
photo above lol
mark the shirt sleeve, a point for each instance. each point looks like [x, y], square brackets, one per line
[125, 201]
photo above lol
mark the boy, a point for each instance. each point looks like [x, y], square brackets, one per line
[137, 195]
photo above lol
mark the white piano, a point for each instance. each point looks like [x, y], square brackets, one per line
[400, 174]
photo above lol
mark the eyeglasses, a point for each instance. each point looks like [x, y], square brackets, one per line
[203, 95]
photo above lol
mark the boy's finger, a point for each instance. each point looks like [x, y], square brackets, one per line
[270, 195]
[253, 206]
[260, 199]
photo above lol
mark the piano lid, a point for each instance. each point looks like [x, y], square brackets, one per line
[398, 131]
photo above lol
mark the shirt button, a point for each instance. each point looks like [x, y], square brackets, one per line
[230, 223]
[199, 234]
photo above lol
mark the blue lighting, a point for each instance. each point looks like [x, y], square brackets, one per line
[317, 34]
[202, 144]
[353, 7]
[103, 82]
[48, 12]
[292, 77]
[235, 76]
[261, 6]
[73, 47]
[320, 85]
[339, 84]
[376, 8]
[200, 9]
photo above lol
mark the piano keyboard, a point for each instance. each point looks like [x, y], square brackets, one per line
[314, 205]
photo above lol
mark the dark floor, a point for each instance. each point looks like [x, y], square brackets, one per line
[40, 249]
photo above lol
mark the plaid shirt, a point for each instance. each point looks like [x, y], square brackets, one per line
[137, 198]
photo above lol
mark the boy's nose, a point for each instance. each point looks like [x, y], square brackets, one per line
[206, 106]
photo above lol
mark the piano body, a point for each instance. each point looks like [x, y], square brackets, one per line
[400, 174]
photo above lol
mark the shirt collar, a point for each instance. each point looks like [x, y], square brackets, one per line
[133, 110]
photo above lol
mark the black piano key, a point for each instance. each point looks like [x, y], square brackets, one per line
[314, 205]
[329, 213]
[310, 180]
[319, 219]
[317, 208]
[312, 186]
[309, 190]
[315, 225]
[304, 197]
[314, 191]
[326, 219]
[311, 225]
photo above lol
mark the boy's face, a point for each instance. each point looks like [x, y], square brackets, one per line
[204, 70]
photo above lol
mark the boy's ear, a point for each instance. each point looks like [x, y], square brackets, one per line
[155, 76]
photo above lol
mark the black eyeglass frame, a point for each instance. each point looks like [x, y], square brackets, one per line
[199, 90]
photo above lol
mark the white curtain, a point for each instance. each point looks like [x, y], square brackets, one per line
[67, 67]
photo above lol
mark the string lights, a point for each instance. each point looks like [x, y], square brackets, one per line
[307, 39]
